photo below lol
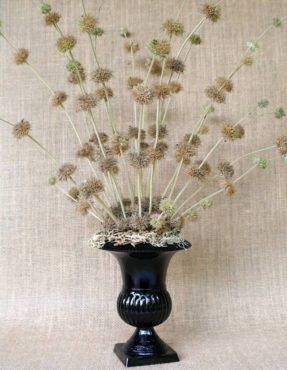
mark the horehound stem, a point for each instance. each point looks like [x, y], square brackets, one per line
[46, 152]
[233, 162]
[139, 170]
[109, 114]
[219, 191]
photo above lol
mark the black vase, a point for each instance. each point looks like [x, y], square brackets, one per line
[144, 301]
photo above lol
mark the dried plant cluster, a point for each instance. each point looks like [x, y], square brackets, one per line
[135, 213]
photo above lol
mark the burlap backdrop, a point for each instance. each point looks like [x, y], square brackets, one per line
[58, 296]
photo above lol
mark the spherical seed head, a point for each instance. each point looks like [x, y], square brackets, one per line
[104, 93]
[167, 207]
[247, 60]
[74, 193]
[52, 181]
[206, 203]
[261, 162]
[161, 91]
[212, 12]
[98, 31]
[195, 39]
[86, 151]
[66, 43]
[83, 206]
[133, 133]
[133, 81]
[263, 103]
[184, 152]
[193, 139]
[213, 93]
[88, 24]
[66, 171]
[120, 143]
[239, 132]
[102, 75]
[279, 113]
[231, 132]
[199, 173]
[162, 131]
[224, 84]
[226, 169]
[76, 77]
[74, 66]
[132, 46]
[277, 22]
[125, 32]
[203, 130]
[140, 160]
[281, 144]
[143, 95]
[229, 188]
[109, 164]
[58, 98]
[46, 8]
[52, 18]
[160, 48]
[91, 187]
[102, 136]
[85, 102]
[157, 153]
[173, 27]
[191, 216]
[21, 129]
[174, 87]
[175, 65]
[156, 68]
[21, 56]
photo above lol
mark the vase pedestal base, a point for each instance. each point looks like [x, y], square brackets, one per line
[145, 348]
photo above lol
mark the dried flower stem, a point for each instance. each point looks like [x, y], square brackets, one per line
[219, 191]
[254, 152]
[71, 198]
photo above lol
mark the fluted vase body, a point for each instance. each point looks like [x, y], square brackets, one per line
[144, 301]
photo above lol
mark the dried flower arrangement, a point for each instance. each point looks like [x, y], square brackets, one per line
[140, 215]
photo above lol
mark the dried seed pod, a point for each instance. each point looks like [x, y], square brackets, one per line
[216, 95]
[21, 129]
[66, 171]
[66, 43]
[160, 48]
[88, 24]
[226, 169]
[161, 91]
[120, 143]
[175, 65]
[58, 98]
[21, 56]
[74, 193]
[229, 188]
[199, 172]
[86, 151]
[133, 81]
[139, 160]
[174, 87]
[143, 95]
[91, 187]
[52, 18]
[83, 206]
[133, 133]
[85, 102]
[102, 136]
[173, 27]
[281, 144]
[212, 12]
[101, 75]
[184, 151]
[104, 93]
[162, 131]
[109, 164]
[224, 83]
[231, 132]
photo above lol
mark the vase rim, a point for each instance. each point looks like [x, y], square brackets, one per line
[145, 247]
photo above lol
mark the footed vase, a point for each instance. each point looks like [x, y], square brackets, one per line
[144, 301]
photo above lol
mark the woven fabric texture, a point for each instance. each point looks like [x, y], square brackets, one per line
[57, 295]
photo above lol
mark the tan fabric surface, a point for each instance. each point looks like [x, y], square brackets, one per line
[58, 296]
